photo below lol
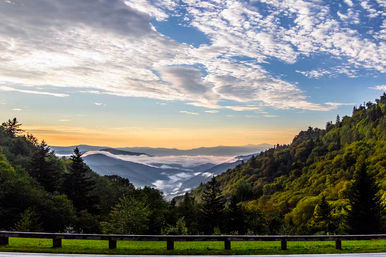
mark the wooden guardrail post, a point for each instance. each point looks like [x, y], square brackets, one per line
[112, 244]
[56, 242]
[338, 244]
[170, 244]
[227, 244]
[4, 240]
[284, 244]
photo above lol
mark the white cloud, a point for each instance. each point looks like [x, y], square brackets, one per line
[110, 47]
[314, 73]
[99, 104]
[17, 109]
[243, 108]
[348, 2]
[183, 160]
[34, 92]
[153, 9]
[190, 113]
[211, 111]
[380, 87]
[332, 72]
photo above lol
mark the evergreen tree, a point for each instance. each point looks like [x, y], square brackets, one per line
[235, 219]
[78, 184]
[189, 210]
[322, 216]
[212, 206]
[12, 127]
[365, 214]
[158, 209]
[45, 169]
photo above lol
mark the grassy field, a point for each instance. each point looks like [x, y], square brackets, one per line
[199, 248]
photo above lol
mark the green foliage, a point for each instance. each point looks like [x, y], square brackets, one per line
[179, 229]
[212, 206]
[189, 209]
[129, 216]
[78, 184]
[322, 219]
[365, 214]
[46, 168]
[28, 222]
[12, 127]
[288, 182]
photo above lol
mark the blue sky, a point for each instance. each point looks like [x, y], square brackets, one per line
[187, 73]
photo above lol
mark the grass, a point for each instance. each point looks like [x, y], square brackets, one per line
[187, 248]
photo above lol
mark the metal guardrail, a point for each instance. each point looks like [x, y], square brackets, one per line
[170, 239]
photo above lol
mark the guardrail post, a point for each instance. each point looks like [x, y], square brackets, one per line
[112, 244]
[56, 243]
[170, 244]
[4, 240]
[338, 244]
[227, 244]
[284, 244]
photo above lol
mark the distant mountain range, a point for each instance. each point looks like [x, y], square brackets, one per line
[173, 171]
[214, 151]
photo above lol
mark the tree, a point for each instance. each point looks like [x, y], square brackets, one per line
[28, 222]
[12, 127]
[78, 184]
[212, 206]
[45, 169]
[157, 207]
[235, 218]
[365, 214]
[129, 216]
[179, 229]
[322, 216]
[189, 210]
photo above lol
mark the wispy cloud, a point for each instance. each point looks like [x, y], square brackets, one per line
[35, 92]
[270, 116]
[99, 104]
[17, 109]
[379, 87]
[212, 111]
[190, 113]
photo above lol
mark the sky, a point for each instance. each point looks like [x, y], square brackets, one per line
[187, 73]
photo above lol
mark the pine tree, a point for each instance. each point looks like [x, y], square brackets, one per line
[44, 170]
[322, 216]
[212, 206]
[189, 210]
[12, 127]
[366, 208]
[78, 184]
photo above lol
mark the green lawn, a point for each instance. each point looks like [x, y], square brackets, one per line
[135, 247]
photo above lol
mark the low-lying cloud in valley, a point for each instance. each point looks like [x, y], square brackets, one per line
[166, 162]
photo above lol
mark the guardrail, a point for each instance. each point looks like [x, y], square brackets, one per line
[170, 239]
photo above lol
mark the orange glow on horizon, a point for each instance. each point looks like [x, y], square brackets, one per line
[159, 137]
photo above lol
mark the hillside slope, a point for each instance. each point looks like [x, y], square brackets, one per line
[287, 182]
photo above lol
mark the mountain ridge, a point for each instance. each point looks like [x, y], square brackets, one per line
[287, 182]
[159, 151]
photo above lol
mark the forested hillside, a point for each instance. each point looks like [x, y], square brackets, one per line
[308, 186]
[40, 192]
